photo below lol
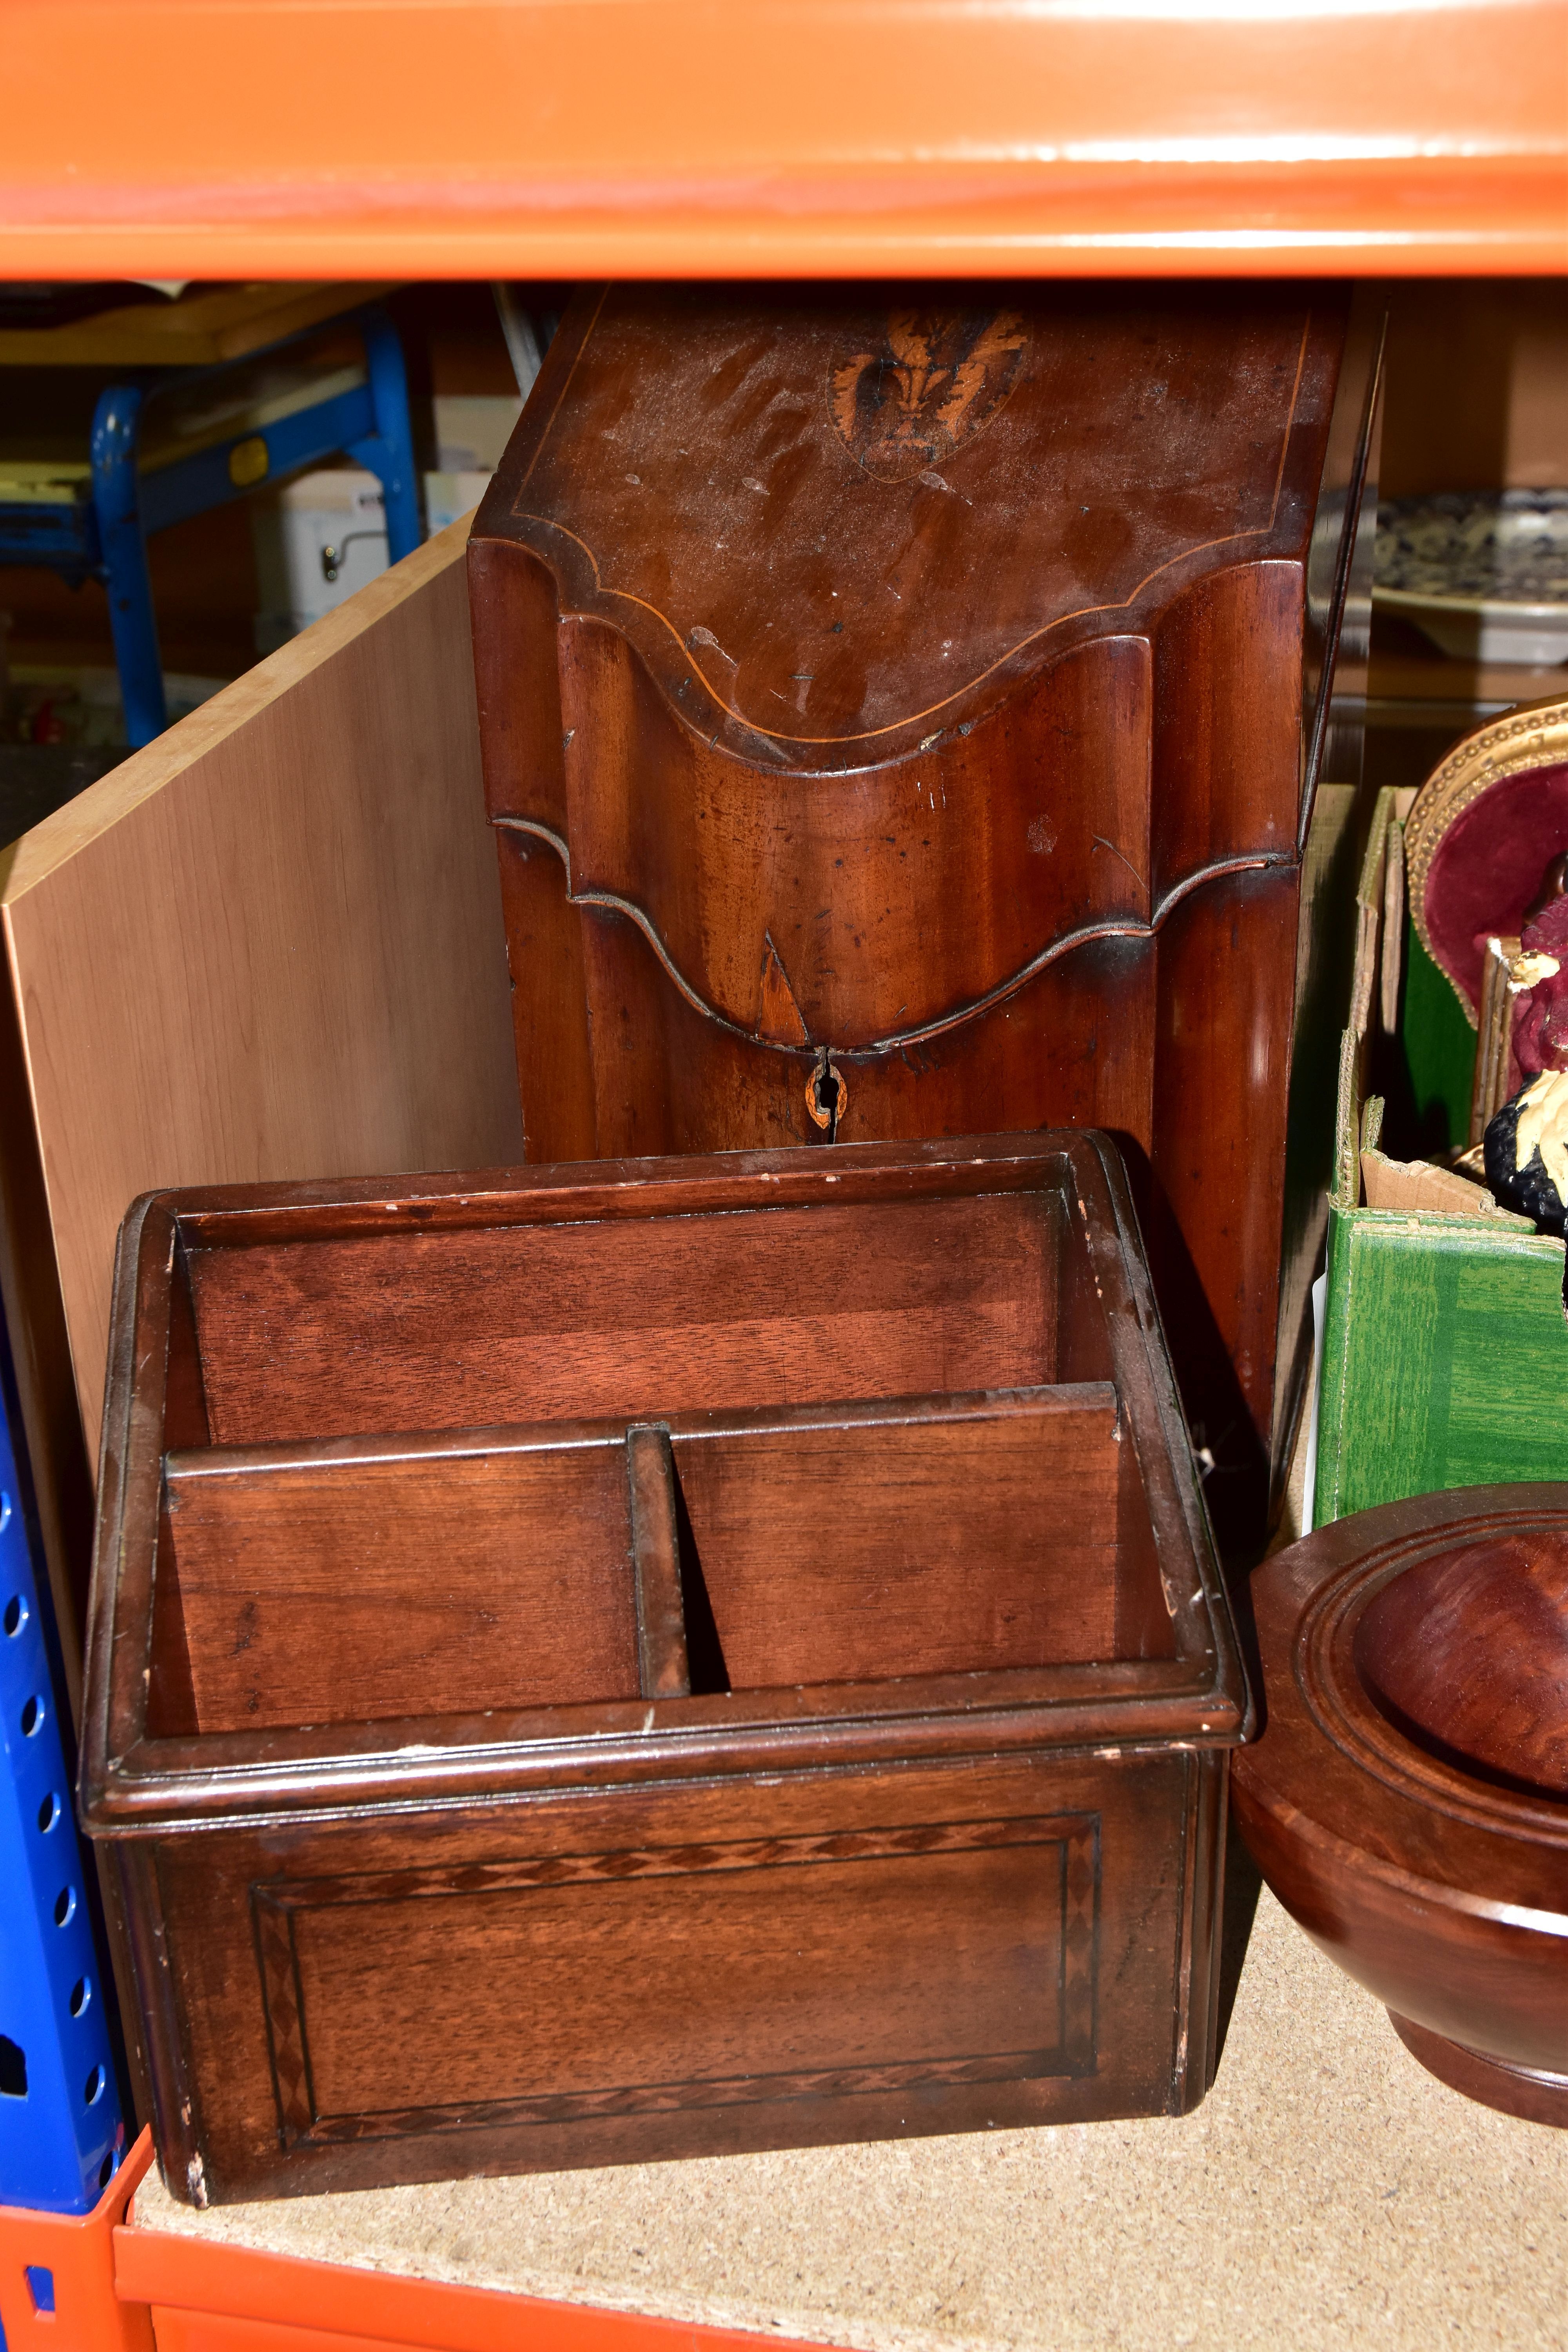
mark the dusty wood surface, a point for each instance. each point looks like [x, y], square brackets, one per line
[895, 718]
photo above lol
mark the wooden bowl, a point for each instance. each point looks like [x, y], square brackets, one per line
[1407, 1799]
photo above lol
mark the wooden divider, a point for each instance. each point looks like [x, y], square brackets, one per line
[943, 1535]
[340, 1334]
[350, 1591]
[357, 1580]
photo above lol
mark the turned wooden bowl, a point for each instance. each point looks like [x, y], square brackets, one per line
[1407, 1799]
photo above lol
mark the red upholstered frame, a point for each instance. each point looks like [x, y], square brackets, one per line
[1486, 868]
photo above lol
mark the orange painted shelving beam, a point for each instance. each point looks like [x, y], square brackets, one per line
[111, 2286]
[205, 2298]
[569, 137]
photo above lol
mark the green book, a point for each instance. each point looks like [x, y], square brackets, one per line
[1445, 1343]
[1444, 1357]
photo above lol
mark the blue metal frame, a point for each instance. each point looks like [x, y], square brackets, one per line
[61, 2131]
[105, 536]
[121, 565]
[53, 538]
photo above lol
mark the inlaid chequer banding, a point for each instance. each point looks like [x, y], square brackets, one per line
[276, 1903]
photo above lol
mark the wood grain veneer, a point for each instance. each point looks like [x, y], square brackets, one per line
[380, 1577]
[367, 1585]
[973, 1543]
[542, 1322]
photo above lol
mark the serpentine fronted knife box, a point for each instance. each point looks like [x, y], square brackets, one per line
[651, 1660]
[899, 712]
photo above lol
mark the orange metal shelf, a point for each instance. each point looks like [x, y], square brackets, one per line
[543, 137]
[118, 2288]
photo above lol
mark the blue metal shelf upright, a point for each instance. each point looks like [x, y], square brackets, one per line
[61, 2131]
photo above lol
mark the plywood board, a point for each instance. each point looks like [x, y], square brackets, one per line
[270, 944]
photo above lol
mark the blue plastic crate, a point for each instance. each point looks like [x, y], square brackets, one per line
[61, 2133]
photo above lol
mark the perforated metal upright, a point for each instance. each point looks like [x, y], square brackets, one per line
[61, 2133]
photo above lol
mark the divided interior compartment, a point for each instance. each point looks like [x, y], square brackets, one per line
[626, 1319]
[625, 1467]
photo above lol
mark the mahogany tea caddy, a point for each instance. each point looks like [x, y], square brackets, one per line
[620, 1661]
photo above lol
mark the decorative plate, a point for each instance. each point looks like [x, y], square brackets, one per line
[1484, 573]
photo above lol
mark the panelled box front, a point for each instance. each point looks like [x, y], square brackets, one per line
[855, 1957]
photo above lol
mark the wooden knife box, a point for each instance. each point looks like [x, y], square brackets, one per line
[608, 1661]
[901, 712]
